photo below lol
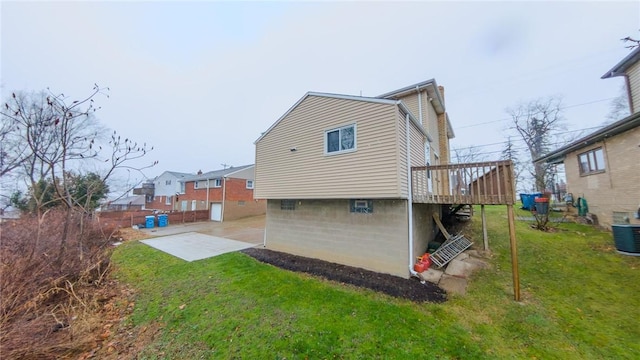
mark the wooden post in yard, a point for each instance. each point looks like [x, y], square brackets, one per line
[485, 238]
[514, 253]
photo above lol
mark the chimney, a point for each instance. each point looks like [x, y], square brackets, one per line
[199, 172]
[441, 89]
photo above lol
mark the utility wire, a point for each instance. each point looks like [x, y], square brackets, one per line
[539, 112]
[519, 140]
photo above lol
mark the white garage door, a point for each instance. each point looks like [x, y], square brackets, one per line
[216, 212]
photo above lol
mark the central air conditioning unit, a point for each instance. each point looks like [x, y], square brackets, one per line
[627, 238]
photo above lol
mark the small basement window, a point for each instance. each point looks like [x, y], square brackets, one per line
[287, 204]
[362, 206]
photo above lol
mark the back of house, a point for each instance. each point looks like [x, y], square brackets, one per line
[335, 170]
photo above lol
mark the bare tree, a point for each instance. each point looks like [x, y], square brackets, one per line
[510, 152]
[536, 122]
[631, 42]
[60, 135]
[468, 155]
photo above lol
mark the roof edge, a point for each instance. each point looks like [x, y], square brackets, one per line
[620, 126]
[326, 95]
[620, 68]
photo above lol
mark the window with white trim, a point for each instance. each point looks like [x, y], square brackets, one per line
[196, 184]
[342, 139]
[249, 184]
[167, 200]
[167, 182]
[217, 183]
[591, 162]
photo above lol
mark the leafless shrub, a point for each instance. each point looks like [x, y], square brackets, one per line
[49, 308]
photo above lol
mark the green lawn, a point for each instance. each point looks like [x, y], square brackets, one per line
[580, 300]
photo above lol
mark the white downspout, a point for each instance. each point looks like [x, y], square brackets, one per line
[207, 205]
[224, 193]
[410, 198]
[420, 105]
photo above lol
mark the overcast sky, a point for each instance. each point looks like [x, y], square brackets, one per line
[200, 81]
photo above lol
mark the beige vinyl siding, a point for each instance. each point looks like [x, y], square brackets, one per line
[402, 153]
[634, 83]
[417, 150]
[432, 128]
[307, 173]
[411, 102]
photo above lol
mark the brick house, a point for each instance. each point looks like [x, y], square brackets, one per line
[357, 180]
[227, 193]
[603, 167]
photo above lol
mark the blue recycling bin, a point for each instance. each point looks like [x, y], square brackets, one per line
[149, 221]
[163, 220]
[528, 200]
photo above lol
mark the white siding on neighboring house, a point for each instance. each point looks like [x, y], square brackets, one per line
[168, 183]
[634, 83]
[370, 171]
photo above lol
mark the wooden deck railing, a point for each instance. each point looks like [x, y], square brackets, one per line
[478, 183]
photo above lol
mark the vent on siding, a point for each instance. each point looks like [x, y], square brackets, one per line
[621, 217]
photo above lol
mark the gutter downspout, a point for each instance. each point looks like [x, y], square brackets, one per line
[207, 205]
[420, 105]
[224, 193]
[409, 198]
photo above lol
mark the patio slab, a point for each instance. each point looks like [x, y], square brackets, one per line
[193, 246]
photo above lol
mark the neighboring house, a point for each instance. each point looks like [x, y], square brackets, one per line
[355, 180]
[128, 203]
[227, 193]
[166, 188]
[604, 166]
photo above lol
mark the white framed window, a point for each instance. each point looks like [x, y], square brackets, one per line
[591, 162]
[167, 200]
[217, 183]
[182, 187]
[196, 184]
[340, 140]
[167, 182]
[249, 184]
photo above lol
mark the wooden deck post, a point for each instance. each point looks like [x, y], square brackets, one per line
[514, 252]
[485, 238]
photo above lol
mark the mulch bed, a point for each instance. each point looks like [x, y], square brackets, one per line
[411, 289]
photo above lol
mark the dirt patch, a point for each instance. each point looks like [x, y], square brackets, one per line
[411, 289]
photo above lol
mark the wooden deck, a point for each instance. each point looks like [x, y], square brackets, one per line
[481, 183]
